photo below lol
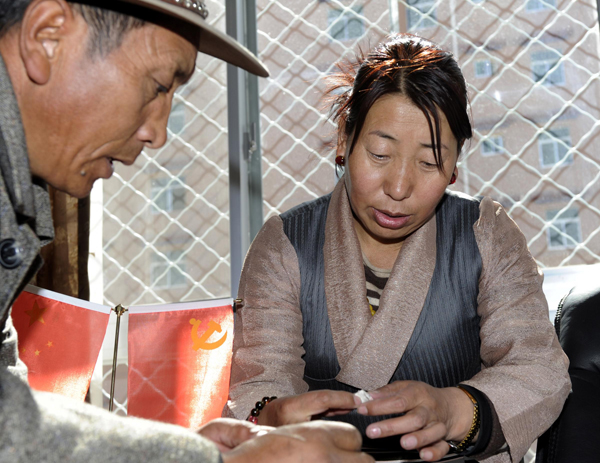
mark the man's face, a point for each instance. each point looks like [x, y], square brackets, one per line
[106, 109]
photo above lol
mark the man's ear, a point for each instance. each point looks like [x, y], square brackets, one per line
[42, 29]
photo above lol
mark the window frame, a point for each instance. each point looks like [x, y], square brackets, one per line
[543, 5]
[172, 184]
[489, 68]
[426, 14]
[568, 241]
[174, 257]
[548, 78]
[342, 20]
[497, 145]
[553, 137]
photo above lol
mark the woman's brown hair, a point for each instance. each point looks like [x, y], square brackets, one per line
[408, 65]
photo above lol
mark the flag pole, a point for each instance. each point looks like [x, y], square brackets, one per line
[119, 310]
[237, 304]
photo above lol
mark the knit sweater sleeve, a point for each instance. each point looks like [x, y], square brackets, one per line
[51, 428]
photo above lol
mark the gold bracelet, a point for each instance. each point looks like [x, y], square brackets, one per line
[458, 447]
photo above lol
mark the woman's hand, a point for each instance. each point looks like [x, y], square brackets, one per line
[305, 407]
[432, 416]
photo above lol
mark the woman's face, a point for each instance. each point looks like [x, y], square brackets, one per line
[393, 182]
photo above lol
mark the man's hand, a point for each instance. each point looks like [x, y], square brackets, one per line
[316, 442]
[227, 433]
[306, 407]
[432, 416]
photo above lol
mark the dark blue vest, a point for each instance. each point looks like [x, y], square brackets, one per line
[444, 347]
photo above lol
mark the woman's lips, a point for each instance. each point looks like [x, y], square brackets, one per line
[386, 220]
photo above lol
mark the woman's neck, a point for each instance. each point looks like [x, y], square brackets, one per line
[380, 254]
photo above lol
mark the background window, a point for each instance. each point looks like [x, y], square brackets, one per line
[537, 5]
[177, 118]
[346, 24]
[553, 146]
[541, 64]
[420, 14]
[163, 276]
[566, 232]
[492, 145]
[167, 194]
[294, 41]
[483, 68]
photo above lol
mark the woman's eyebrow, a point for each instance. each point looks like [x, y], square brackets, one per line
[430, 146]
[381, 134]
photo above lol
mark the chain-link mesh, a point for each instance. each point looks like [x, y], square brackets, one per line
[166, 226]
[532, 69]
[165, 220]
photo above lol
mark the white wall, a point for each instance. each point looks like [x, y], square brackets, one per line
[559, 280]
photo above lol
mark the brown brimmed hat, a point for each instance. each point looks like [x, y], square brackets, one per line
[212, 41]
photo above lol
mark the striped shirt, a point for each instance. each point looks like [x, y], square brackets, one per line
[376, 280]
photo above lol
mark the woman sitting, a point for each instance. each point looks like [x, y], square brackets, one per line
[394, 285]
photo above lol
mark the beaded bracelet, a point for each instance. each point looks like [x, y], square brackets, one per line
[253, 417]
[462, 445]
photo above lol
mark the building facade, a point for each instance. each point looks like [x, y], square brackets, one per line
[532, 70]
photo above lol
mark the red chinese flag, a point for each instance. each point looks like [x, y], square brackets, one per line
[180, 361]
[59, 339]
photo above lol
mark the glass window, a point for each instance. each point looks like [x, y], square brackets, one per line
[483, 68]
[565, 231]
[544, 67]
[167, 194]
[537, 5]
[298, 147]
[553, 147]
[492, 145]
[346, 24]
[420, 14]
[164, 276]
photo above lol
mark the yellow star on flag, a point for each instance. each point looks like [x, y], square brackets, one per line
[50, 344]
[35, 314]
[23, 350]
[37, 352]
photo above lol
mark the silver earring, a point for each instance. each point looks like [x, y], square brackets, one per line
[82, 173]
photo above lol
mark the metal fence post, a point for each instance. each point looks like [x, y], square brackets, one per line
[245, 182]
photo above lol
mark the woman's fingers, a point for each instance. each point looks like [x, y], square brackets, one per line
[398, 397]
[430, 435]
[434, 452]
[429, 439]
[415, 420]
[398, 403]
[318, 402]
[421, 401]
[303, 407]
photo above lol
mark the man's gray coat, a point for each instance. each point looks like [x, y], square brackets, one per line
[42, 427]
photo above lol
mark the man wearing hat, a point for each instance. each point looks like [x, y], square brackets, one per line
[84, 85]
